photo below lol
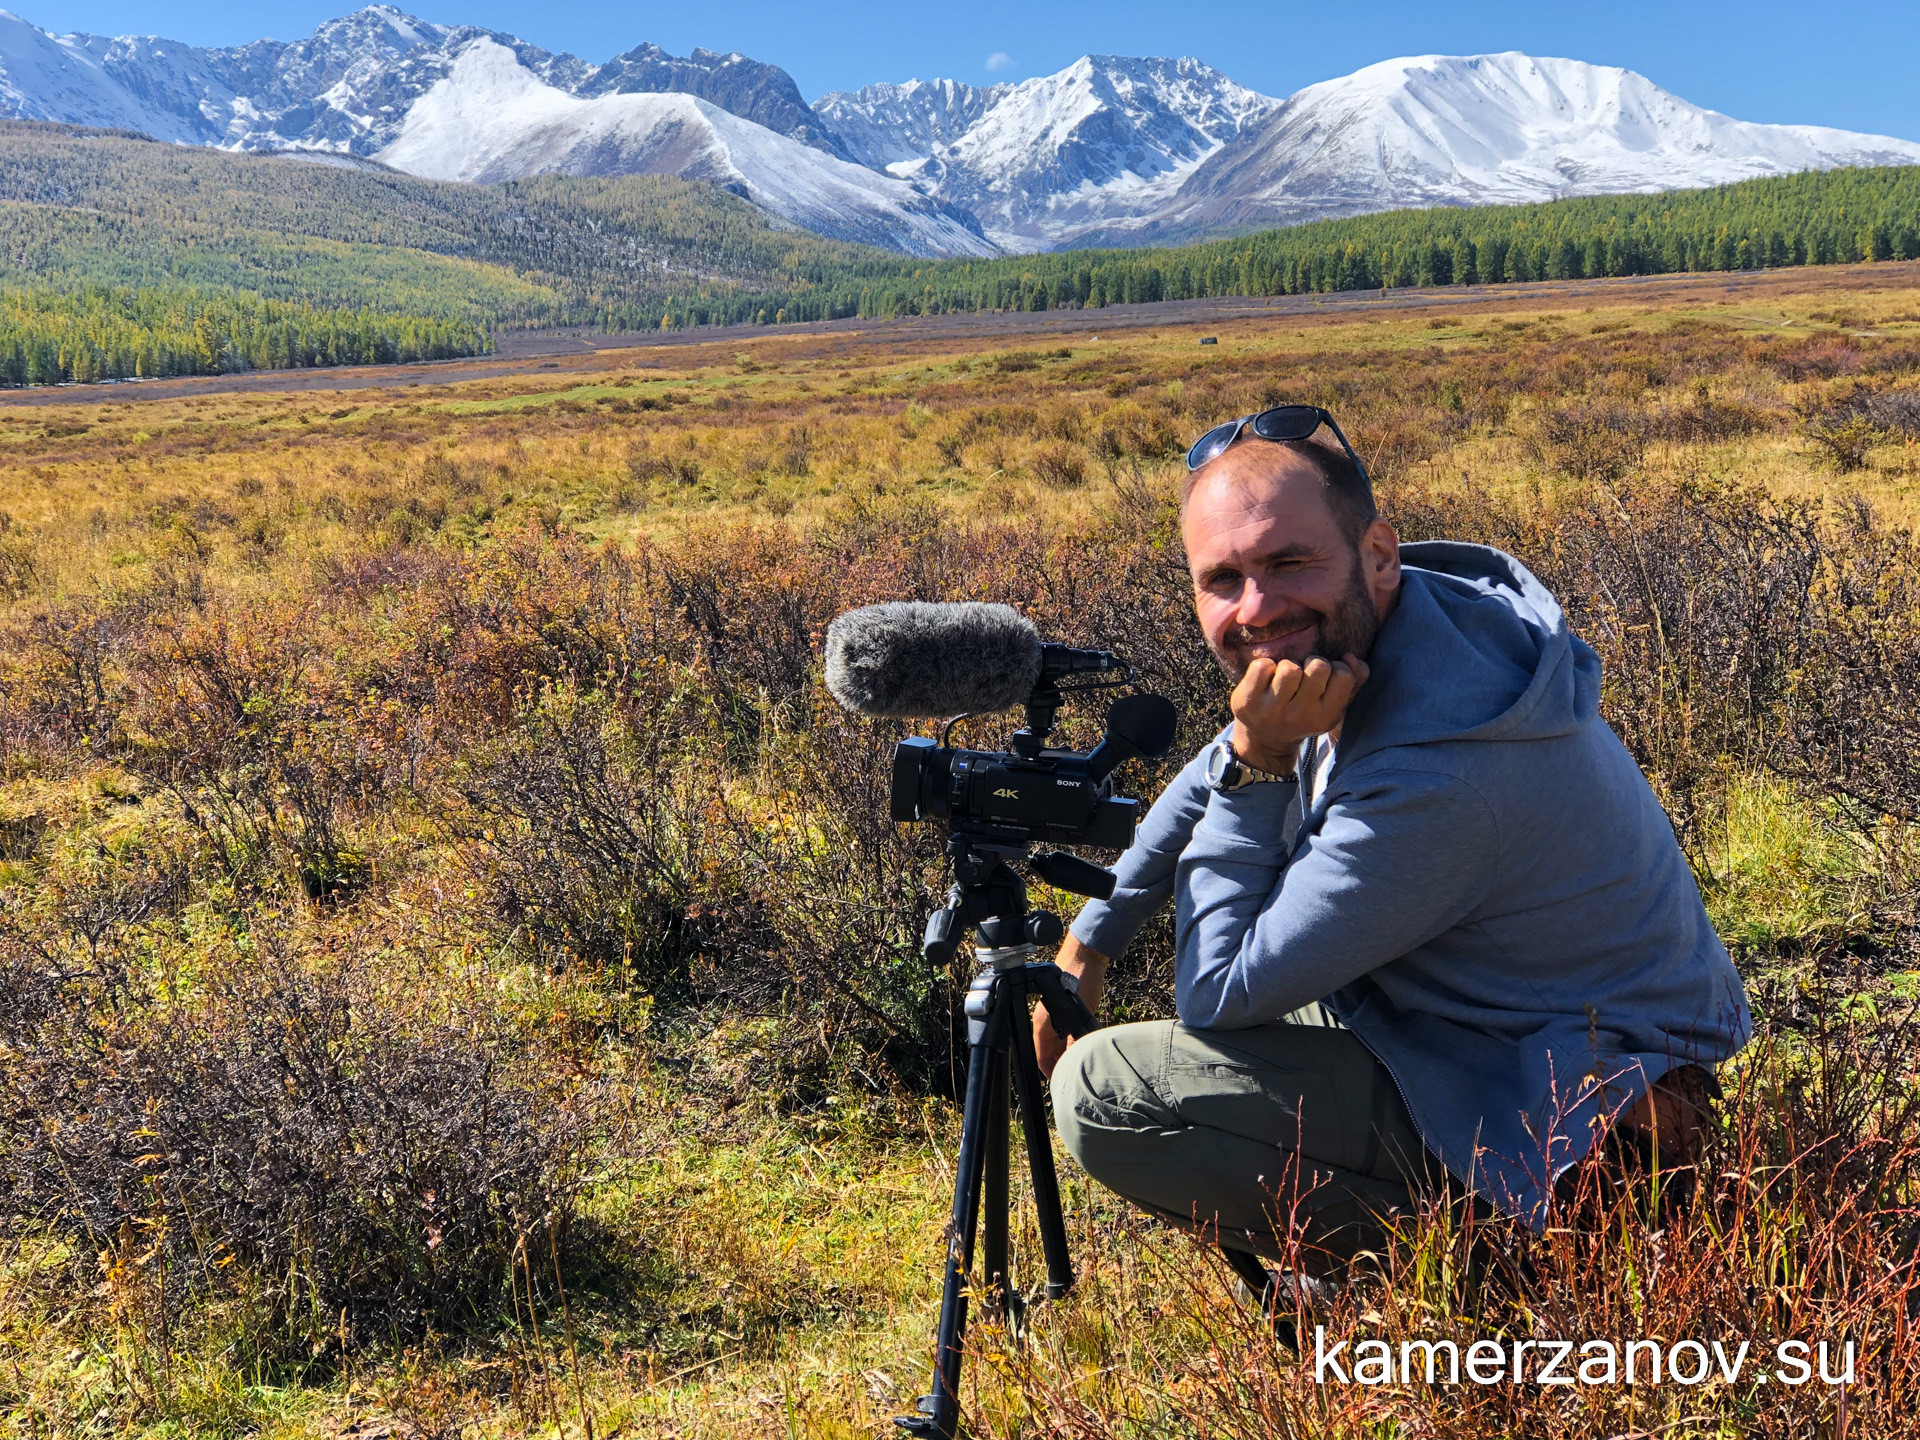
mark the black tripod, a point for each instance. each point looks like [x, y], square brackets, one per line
[990, 895]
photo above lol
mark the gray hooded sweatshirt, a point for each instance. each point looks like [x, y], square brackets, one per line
[1484, 889]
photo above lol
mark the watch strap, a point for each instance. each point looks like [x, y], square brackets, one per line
[1229, 772]
[1253, 775]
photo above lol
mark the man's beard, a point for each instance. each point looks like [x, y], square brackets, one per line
[1349, 628]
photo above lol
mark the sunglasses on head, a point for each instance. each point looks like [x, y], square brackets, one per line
[1282, 422]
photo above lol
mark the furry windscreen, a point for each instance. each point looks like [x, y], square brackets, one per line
[912, 659]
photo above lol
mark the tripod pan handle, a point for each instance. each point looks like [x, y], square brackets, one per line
[1065, 1008]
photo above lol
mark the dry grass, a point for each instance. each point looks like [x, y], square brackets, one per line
[463, 751]
[650, 442]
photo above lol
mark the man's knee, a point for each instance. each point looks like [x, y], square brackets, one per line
[1105, 1099]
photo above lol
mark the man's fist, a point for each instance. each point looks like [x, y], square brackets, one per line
[1276, 706]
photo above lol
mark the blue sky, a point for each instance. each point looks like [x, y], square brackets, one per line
[1854, 64]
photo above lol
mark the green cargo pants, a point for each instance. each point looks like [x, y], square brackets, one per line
[1247, 1134]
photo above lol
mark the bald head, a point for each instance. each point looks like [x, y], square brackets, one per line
[1254, 462]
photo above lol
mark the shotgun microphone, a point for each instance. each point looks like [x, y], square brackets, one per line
[912, 660]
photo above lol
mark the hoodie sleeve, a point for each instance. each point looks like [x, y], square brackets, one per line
[1144, 874]
[1399, 857]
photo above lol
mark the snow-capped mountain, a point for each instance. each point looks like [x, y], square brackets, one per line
[44, 77]
[347, 87]
[764, 94]
[449, 102]
[491, 118]
[1482, 130]
[1109, 150]
[1104, 141]
[885, 125]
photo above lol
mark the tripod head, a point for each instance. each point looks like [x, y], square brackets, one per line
[990, 895]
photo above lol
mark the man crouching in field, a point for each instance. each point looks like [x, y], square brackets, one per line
[1431, 921]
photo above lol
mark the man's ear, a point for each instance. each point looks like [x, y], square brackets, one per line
[1380, 559]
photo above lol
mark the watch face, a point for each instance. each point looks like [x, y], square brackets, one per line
[1223, 770]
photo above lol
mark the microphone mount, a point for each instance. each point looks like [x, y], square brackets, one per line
[1058, 664]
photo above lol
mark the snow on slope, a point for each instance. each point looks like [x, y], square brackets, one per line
[887, 125]
[1102, 141]
[345, 88]
[490, 118]
[47, 77]
[1485, 130]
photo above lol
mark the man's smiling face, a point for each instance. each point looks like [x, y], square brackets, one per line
[1273, 574]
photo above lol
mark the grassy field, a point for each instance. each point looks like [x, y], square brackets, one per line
[456, 976]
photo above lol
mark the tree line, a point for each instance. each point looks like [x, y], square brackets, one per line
[1815, 218]
[48, 337]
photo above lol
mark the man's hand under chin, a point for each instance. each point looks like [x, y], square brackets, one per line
[1276, 705]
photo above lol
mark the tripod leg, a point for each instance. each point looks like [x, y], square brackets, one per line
[1039, 1136]
[939, 1417]
[996, 1207]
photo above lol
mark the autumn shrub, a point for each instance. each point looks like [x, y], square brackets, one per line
[61, 681]
[288, 1123]
[283, 724]
[1596, 440]
[1013, 419]
[1064, 420]
[1849, 726]
[585, 830]
[645, 465]
[1821, 358]
[1842, 438]
[1846, 421]
[1130, 430]
[1897, 411]
[18, 573]
[1397, 439]
[1704, 419]
[796, 452]
[265, 753]
[1061, 465]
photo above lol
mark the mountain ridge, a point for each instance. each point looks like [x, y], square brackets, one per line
[1110, 150]
[1043, 159]
[490, 119]
[340, 87]
[1497, 129]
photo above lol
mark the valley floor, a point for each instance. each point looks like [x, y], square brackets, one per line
[587, 351]
[439, 753]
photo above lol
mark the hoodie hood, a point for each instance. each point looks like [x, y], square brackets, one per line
[1476, 649]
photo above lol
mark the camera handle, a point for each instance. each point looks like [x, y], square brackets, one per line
[1001, 1066]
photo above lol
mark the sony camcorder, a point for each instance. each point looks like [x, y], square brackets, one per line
[922, 660]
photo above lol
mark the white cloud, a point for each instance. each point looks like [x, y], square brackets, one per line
[999, 60]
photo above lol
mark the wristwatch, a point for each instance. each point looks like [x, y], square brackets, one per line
[1227, 772]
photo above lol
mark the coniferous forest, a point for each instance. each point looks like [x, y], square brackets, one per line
[1817, 218]
[50, 336]
[123, 257]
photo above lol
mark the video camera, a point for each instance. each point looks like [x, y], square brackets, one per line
[1031, 792]
[912, 659]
